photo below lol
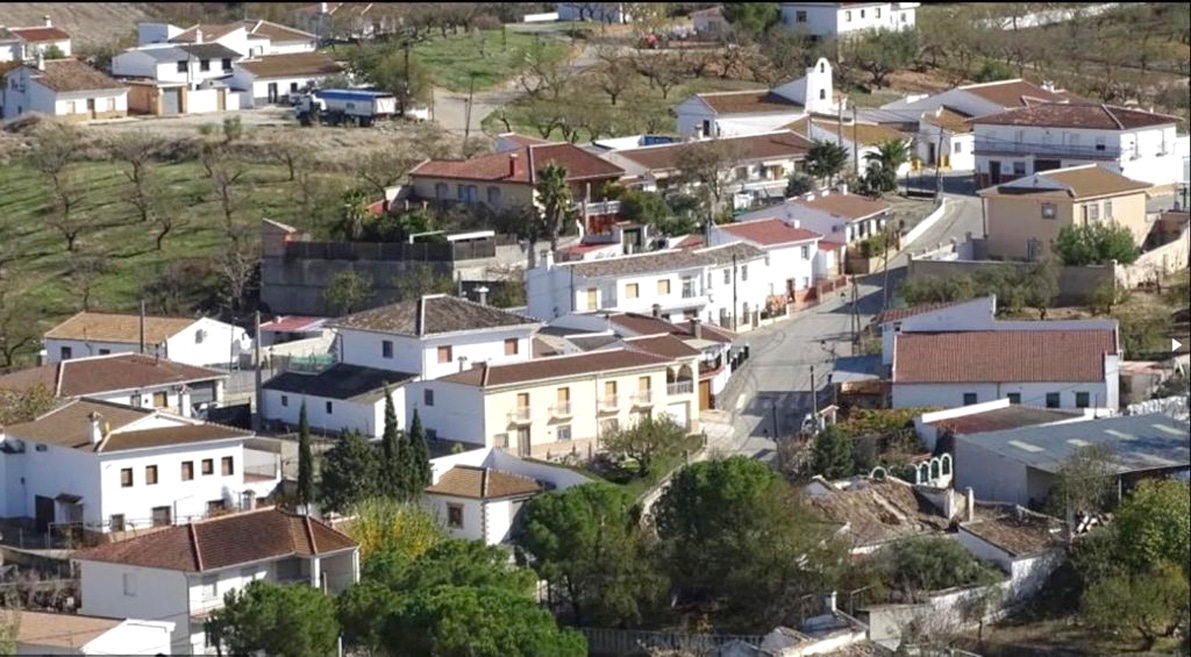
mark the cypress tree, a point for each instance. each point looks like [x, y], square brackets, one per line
[390, 480]
[419, 457]
[305, 460]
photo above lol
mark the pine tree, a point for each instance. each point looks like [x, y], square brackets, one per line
[404, 469]
[419, 457]
[391, 475]
[831, 454]
[305, 460]
[349, 472]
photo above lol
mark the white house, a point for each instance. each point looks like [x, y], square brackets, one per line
[181, 574]
[202, 341]
[339, 397]
[728, 284]
[104, 467]
[1135, 143]
[734, 113]
[250, 37]
[946, 139]
[834, 19]
[600, 12]
[268, 79]
[136, 380]
[66, 89]
[836, 215]
[178, 79]
[791, 250]
[22, 43]
[478, 494]
[1027, 546]
[43, 633]
[860, 139]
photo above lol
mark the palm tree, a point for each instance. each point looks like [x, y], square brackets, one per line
[355, 215]
[554, 199]
[887, 159]
[826, 160]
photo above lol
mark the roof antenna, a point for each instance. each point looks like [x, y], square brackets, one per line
[142, 325]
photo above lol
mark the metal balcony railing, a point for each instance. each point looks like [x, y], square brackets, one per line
[561, 409]
[643, 398]
[521, 414]
[680, 388]
[609, 404]
[1106, 152]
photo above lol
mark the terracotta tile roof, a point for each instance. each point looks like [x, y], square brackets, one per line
[781, 145]
[299, 63]
[430, 315]
[1002, 356]
[951, 120]
[898, 314]
[724, 253]
[1000, 419]
[579, 164]
[102, 374]
[642, 263]
[769, 232]
[757, 101]
[167, 436]
[1014, 93]
[209, 51]
[824, 245]
[649, 325]
[340, 381]
[113, 327]
[1072, 115]
[224, 542]
[867, 134]
[480, 483]
[294, 324]
[211, 32]
[39, 628]
[275, 32]
[877, 511]
[544, 369]
[1019, 532]
[1087, 181]
[667, 346]
[846, 206]
[690, 242]
[39, 34]
[66, 75]
[522, 140]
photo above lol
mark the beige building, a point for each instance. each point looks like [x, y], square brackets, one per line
[1024, 217]
[549, 407]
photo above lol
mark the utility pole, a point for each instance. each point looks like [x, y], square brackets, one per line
[885, 239]
[734, 294]
[855, 319]
[142, 326]
[855, 144]
[256, 367]
[471, 90]
[839, 133]
[939, 165]
[406, 45]
[814, 402]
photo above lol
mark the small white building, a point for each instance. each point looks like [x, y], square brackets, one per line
[65, 89]
[250, 37]
[860, 139]
[339, 397]
[1135, 143]
[836, 215]
[19, 44]
[1027, 546]
[42, 633]
[272, 78]
[136, 380]
[946, 139]
[835, 19]
[181, 574]
[791, 250]
[200, 342]
[109, 468]
[736, 113]
[599, 12]
[478, 495]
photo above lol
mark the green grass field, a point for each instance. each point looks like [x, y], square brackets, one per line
[491, 56]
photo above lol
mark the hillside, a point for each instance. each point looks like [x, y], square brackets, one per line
[89, 23]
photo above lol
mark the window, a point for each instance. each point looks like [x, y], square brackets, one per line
[285, 401]
[150, 475]
[208, 466]
[631, 291]
[727, 276]
[688, 287]
[428, 397]
[742, 173]
[877, 12]
[1082, 400]
[903, 15]
[134, 401]
[957, 147]
[493, 195]
[444, 354]
[66, 353]
[210, 587]
[161, 516]
[1100, 144]
[862, 13]
[847, 17]
[822, 94]
[130, 584]
[800, 17]
[205, 65]
[1091, 212]
[664, 286]
[227, 466]
[969, 398]
[386, 348]
[116, 522]
[330, 408]
[455, 516]
[511, 346]
[293, 87]
[440, 191]
[744, 272]
[110, 104]
[431, 434]
[187, 470]
[126, 478]
[215, 506]
[1049, 211]
[1052, 400]
[564, 432]
[227, 64]
[1015, 398]
[1108, 209]
[805, 252]
[182, 66]
[105, 352]
[609, 426]
[1019, 168]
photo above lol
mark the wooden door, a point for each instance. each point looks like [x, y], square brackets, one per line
[592, 298]
[43, 513]
[524, 442]
[160, 400]
[705, 395]
[91, 107]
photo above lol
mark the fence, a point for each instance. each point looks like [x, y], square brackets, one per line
[615, 643]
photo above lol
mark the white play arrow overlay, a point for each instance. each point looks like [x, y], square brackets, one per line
[1175, 344]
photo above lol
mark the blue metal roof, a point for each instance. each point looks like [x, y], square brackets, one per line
[350, 94]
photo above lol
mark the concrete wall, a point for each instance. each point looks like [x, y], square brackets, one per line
[992, 477]
[115, 590]
[948, 395]
[1167, 259]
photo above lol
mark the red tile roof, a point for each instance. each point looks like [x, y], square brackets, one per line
[495, 167]
[544, 369]
[294, 324]
[648, 325]
[847, 206]
[759, 101]
[898, 314]
[1015, 93]
[293, 64]
[39, 34]
[780, 145]
[103, 374]
[1002, 356]
[824, 245]
[224, 542]
[769, 232]
[690, 242]
[668, 346]
[480, 483]
[1069, 115]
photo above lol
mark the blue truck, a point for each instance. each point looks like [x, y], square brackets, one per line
[346, 107]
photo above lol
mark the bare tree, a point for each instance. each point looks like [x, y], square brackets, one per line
[706, 164]
[135, 151]
[226, 173]
[384, 167]
[237, 271]
[293, 154]
[18, 324]
[53, 154]
[664, 71]
[84, 273]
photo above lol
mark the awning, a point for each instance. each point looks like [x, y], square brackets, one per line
[850, 369]
[67, 498]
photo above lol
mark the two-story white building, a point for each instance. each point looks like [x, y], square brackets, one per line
[728, 284]
[250, 37]
[835, 19]
[397, 346]
[189, 78]
[18, 44]
[65, 89]
[181, 574]
[136, 380]
[836, 215]
[735, 113]
[102, 468]
[791, 250]
[192, 341]
[1135, 143]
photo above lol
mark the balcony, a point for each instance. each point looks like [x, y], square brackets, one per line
[595, 208]
[680, 388]
[521, 414]
[609, 404]
[642, 398]
[1067, 151]
[561, 409]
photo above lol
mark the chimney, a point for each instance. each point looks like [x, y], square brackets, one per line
[198, 35]
[96, 433]
[40, 59]
[843, 188]
[697, 328]
[48, 22]
[483, 292]
[512, 164]
[657, 310]
[829, 603]
[1048, 85]
[970, 514]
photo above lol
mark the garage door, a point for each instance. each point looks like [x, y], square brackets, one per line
[680, 414]
[171, 101]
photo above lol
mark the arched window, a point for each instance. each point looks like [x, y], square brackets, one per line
[923, 473]
[946, 461]
[822, 67]
[934, 469]
[822, 94]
